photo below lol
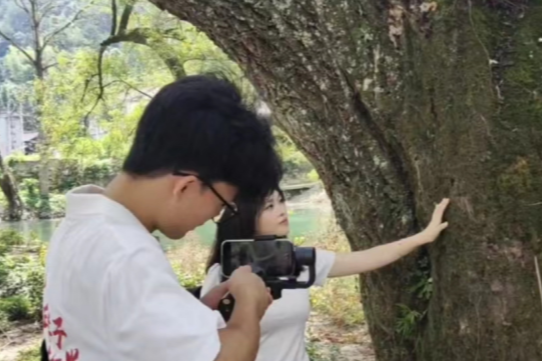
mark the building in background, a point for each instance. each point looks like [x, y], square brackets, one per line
[13, 138]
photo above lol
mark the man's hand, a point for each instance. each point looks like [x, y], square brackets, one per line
[213, 297]
[247, 287]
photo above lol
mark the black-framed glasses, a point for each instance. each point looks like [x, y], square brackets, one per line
[228, 211]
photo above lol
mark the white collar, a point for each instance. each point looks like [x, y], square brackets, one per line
[90, 199]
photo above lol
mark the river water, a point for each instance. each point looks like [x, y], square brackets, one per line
[303, 222]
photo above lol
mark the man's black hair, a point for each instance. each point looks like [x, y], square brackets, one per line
[200, 124]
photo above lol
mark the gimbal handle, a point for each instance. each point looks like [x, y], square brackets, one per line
[226, 305]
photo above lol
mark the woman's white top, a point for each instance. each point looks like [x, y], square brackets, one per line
[283, 325]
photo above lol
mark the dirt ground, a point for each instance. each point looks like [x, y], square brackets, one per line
[19, 338]
[338, 343]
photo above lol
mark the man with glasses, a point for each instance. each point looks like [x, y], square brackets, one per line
[110, 292]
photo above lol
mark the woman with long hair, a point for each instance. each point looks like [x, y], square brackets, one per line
[283, 326]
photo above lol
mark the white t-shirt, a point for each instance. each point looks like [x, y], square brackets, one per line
[283, 325]
[111, 293]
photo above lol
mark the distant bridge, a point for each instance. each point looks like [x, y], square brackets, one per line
[292, 190]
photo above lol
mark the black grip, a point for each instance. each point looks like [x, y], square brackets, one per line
[225, 307]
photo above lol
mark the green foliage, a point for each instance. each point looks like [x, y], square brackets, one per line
[188, 280]
[8, 239]
[53, 205]
[11, 238]
[340, 298]
[35, 280]
[16, 67]
[15, 281]
[4, 322]
[408, 321]
[299, 241]
[15, 21]
[22, 280]
[88, 119]
[29, 192]
[65, 174]
[30, 354]
[423, 289]
[313, 176]
[322, 352]
[295, 163]
[17, 158]
[16, 308]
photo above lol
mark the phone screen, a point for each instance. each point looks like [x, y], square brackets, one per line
[274, 257]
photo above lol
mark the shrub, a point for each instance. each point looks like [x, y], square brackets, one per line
[25, 279]
[16, 281]
[24, 276]
[57, 205]
[8, 239]
[35, 286]
[188, 262]
[15, 308]
[4, 274]
[4, 322]
[52, 206]
[30, 354]
[42, 254]
[322, 352]
[29, 191]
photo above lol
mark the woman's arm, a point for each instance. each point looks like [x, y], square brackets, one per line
[347, 264]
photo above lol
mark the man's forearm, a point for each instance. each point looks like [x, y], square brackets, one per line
[240, 340]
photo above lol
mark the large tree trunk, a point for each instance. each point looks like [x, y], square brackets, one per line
[398, 104]
[11, 192]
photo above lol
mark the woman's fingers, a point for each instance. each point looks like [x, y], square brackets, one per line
[440, 208]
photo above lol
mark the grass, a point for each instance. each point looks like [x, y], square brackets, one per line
[319, 352]
[30, 354]
[339, 299]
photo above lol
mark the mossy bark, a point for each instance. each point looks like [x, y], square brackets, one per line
[398, 104]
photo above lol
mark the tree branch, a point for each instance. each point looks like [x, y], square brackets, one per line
[125, 17]
[129, 86]
[87, 116]
[100, 96]
[17, 46]
[47, 38]
[47, 9]
[49, 66]
[87, 84]
[113, 18]
[138, 36]
[21, 6]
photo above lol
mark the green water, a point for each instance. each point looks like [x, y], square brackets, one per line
[306, 222]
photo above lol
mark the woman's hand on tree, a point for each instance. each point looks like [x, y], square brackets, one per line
[432, 231]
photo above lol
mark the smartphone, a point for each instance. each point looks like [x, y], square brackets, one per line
[274, 258]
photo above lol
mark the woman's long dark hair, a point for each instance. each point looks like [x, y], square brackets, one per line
[241, 226]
